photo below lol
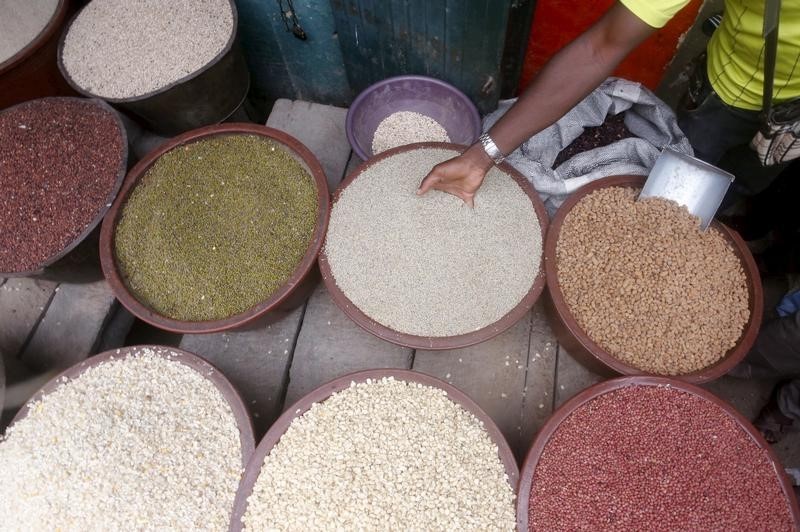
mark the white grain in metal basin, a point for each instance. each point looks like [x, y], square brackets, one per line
[429, 265]
[21, 22]
[140, 443]
[128, 48]
[383, 455]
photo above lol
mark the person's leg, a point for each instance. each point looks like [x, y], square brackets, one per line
[713, 128]
[759, 361]
[789, 399]
[776, 352]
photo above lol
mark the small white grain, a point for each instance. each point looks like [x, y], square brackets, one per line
[406, 127]
[429, 265]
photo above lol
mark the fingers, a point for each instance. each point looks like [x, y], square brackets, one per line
[428, 183]
[449, 188]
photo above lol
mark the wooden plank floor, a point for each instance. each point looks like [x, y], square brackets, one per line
[518, 378]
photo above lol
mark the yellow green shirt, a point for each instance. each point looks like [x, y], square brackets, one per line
[736, 50]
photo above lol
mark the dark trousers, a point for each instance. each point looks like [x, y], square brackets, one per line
[776, 352]
[720, 135]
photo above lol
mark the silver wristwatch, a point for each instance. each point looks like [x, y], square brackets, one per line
[491, 149]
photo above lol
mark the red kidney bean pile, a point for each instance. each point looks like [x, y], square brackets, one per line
[59, 161]
[610, 131]
[654, 458]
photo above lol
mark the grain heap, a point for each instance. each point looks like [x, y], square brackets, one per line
[21, 21]
[429, 265]
[406, 127]
[383, 455]
[657, 459]
[142, 442]
[60, 159]
[647, 285]
[129, 48]
[215, 227]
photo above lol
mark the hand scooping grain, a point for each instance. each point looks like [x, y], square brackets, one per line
[428, 265]
[647, 285]
[383, 455]
[406, 127]
[136, 443]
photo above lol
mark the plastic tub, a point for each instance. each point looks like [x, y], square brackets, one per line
[83, 247]
[441, 342]
[578, 343]
[283, 298]
[204, 97]
[33, 72]
[273, 436]
[421, 94]
[564, 411]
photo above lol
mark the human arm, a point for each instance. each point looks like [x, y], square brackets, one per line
[567, 78]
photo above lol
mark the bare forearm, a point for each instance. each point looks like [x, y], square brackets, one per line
[569, 76]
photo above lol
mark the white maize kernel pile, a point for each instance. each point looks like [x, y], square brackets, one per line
[383, 455]
[140, 443]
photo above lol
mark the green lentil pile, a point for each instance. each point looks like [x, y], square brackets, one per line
[215, 227]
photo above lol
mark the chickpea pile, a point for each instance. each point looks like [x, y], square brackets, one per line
[647, 285]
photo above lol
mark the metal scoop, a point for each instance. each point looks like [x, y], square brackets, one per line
[688, 181]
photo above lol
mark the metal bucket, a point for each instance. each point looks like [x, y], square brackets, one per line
[32, 72]
[204, 97]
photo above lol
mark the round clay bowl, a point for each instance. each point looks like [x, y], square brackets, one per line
[109, 263]
[273, 436]
[565, 410]
[32, 72]
[205, 96]
[578, 342]
[103, 209]
[437, 342]
[208, 371]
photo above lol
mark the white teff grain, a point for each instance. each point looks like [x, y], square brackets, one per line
[21, 21]
[406, 127]
[429, 265]
[128, 48]
[141, 443]
[383, 455]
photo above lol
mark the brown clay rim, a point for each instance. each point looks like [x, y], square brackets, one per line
[45, 35]
[108, 260]
[440, 342]
[193, 361]
[716, 370]
[563, 412]
[165, 88]
[274, 434]
[123, 166]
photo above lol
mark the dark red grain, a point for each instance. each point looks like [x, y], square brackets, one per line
[654, 458]
[610, 131]
[59, 160]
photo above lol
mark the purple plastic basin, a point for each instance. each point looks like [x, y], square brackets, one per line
[428, 96]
